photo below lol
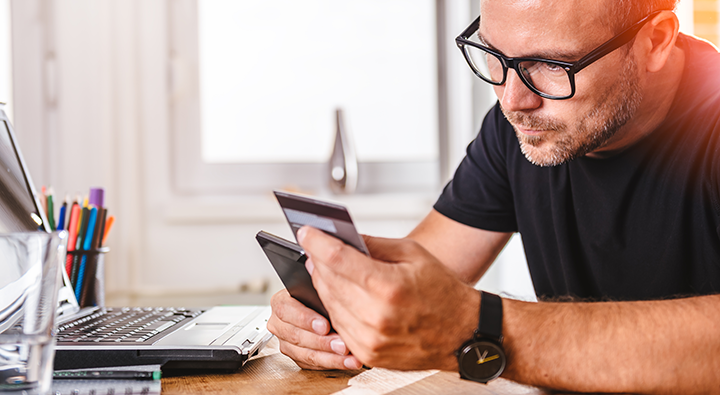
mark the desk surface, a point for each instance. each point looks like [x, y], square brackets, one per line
[273, 373]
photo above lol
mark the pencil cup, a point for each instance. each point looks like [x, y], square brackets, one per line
[86, 269]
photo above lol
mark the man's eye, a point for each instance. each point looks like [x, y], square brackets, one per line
[551, 67]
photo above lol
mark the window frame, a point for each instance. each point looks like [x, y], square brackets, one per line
[192, 176]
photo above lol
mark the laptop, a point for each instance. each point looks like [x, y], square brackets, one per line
[221, 337]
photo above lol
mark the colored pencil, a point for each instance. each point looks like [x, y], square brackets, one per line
[108, 226]
[79, 243]
[72, 235]
[50, 209]
[87, 246]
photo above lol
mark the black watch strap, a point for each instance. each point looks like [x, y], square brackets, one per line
[491, 315]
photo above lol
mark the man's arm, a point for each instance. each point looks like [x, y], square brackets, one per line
[465, 250]
[669, 346]
[403, 309]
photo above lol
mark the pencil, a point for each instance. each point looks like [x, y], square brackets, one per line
[79, 243]
[43, 199]
[86, 246]
[72, 236]
[108, 226]
[50, 209]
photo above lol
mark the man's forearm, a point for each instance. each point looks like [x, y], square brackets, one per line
[467, 251]
[670, 346]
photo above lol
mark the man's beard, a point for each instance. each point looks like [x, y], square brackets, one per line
[617, 106]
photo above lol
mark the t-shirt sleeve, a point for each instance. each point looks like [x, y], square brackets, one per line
[715, 176]
[480, 195]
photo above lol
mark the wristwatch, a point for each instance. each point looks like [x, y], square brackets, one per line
[482, 358]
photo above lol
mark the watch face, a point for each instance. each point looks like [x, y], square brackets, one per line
[481, 361]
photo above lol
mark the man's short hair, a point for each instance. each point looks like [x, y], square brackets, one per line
[624, 13]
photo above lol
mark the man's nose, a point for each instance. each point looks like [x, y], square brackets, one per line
[514, 95]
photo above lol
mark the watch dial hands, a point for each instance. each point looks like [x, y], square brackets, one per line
[484, 358]
[488, 359]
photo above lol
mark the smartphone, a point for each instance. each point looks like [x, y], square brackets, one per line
[332, 218]
[288, 260]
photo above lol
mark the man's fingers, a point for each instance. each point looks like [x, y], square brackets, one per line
[320, 246]
[286, 323]
[329, 251]
[304, 339]
[292, 311]
[316, 360]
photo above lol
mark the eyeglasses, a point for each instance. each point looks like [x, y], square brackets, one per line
[551, 79]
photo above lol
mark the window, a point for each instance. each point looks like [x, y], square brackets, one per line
[5, 58]
[255, 86]
[705, 16]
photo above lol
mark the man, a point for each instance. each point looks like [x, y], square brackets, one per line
[614, 186]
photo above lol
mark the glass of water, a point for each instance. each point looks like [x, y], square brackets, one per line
[29, 284]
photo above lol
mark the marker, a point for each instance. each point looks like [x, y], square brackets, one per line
[97, 197]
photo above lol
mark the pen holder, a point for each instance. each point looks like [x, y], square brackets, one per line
[86, 269]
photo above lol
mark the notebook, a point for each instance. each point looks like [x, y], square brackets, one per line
[221, 337]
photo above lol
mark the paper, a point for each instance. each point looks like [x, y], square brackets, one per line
[377, 381]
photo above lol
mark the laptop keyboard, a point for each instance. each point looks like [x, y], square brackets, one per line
[125, 325]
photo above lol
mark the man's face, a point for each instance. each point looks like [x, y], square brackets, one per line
[607, 92]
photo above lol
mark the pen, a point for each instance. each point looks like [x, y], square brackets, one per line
[108, 374]
[61, 217]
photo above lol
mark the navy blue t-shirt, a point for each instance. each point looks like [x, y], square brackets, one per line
[643, 224]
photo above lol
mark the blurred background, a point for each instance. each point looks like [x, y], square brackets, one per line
[190, 112]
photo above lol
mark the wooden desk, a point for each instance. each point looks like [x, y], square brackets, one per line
[273, 373]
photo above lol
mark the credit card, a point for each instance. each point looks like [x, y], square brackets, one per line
[332, 218]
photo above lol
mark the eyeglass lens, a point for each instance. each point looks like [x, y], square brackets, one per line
[548, 78]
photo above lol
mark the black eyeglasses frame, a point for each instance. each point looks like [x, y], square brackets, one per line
[571, 68]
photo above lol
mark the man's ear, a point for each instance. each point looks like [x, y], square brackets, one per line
[659, 37]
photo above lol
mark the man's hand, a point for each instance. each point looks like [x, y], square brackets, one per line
[305, 336]
[400, 309]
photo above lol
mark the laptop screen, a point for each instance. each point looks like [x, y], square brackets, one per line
[20, 209]
[17, 206]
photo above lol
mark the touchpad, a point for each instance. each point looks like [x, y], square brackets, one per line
[208, 326]
[211, 326]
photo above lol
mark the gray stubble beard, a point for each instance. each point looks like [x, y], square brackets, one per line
[619, 106]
